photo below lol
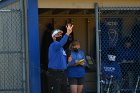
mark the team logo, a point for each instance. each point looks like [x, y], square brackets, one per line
[113, 37]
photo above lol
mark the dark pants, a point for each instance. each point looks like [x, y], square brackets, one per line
[44, 81]
[57, 82]
[76, 81]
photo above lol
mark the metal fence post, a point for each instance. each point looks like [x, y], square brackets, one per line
[97, 47]
[23, 46]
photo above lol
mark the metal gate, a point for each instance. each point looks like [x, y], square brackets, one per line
[118, 49]
[12, 50]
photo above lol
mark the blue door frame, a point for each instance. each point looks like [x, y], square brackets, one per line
[33, 46]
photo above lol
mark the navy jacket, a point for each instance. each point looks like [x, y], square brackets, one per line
[76, 71]
[57, 55]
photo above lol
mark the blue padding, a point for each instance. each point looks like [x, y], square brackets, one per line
[33, 45]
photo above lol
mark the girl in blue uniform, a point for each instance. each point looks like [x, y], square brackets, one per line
[76, 68]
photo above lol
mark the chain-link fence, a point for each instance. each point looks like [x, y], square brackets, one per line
[12, 52]
[120, 49]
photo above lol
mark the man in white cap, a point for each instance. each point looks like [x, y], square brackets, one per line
[57, 79]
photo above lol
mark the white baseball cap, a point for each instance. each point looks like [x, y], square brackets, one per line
[56, 31]
[111, 57]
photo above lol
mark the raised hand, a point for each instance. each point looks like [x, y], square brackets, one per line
[69, 29]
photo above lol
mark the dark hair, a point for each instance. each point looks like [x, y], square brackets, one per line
[75, 42]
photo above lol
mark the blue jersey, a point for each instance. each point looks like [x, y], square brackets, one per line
[76, 71]
[111, 69]
[57, 55]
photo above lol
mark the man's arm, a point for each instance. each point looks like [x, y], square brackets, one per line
[62, 42]
[65, 37]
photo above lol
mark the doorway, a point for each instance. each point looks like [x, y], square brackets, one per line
[84, 31]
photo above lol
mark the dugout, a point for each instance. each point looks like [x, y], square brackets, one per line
[115, 24]
[85, 20]
[84, 31]
[21, 40]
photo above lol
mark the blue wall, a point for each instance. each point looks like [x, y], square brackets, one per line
[33, 45]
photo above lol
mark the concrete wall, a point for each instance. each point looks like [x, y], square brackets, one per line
[86, 3]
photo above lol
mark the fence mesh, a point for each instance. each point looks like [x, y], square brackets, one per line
[11, 48]
[120, 49]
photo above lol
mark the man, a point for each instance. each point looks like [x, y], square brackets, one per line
[57, 61]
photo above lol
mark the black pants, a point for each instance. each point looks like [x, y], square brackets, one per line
[57, 82]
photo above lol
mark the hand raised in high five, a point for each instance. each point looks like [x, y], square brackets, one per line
[69, 28]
